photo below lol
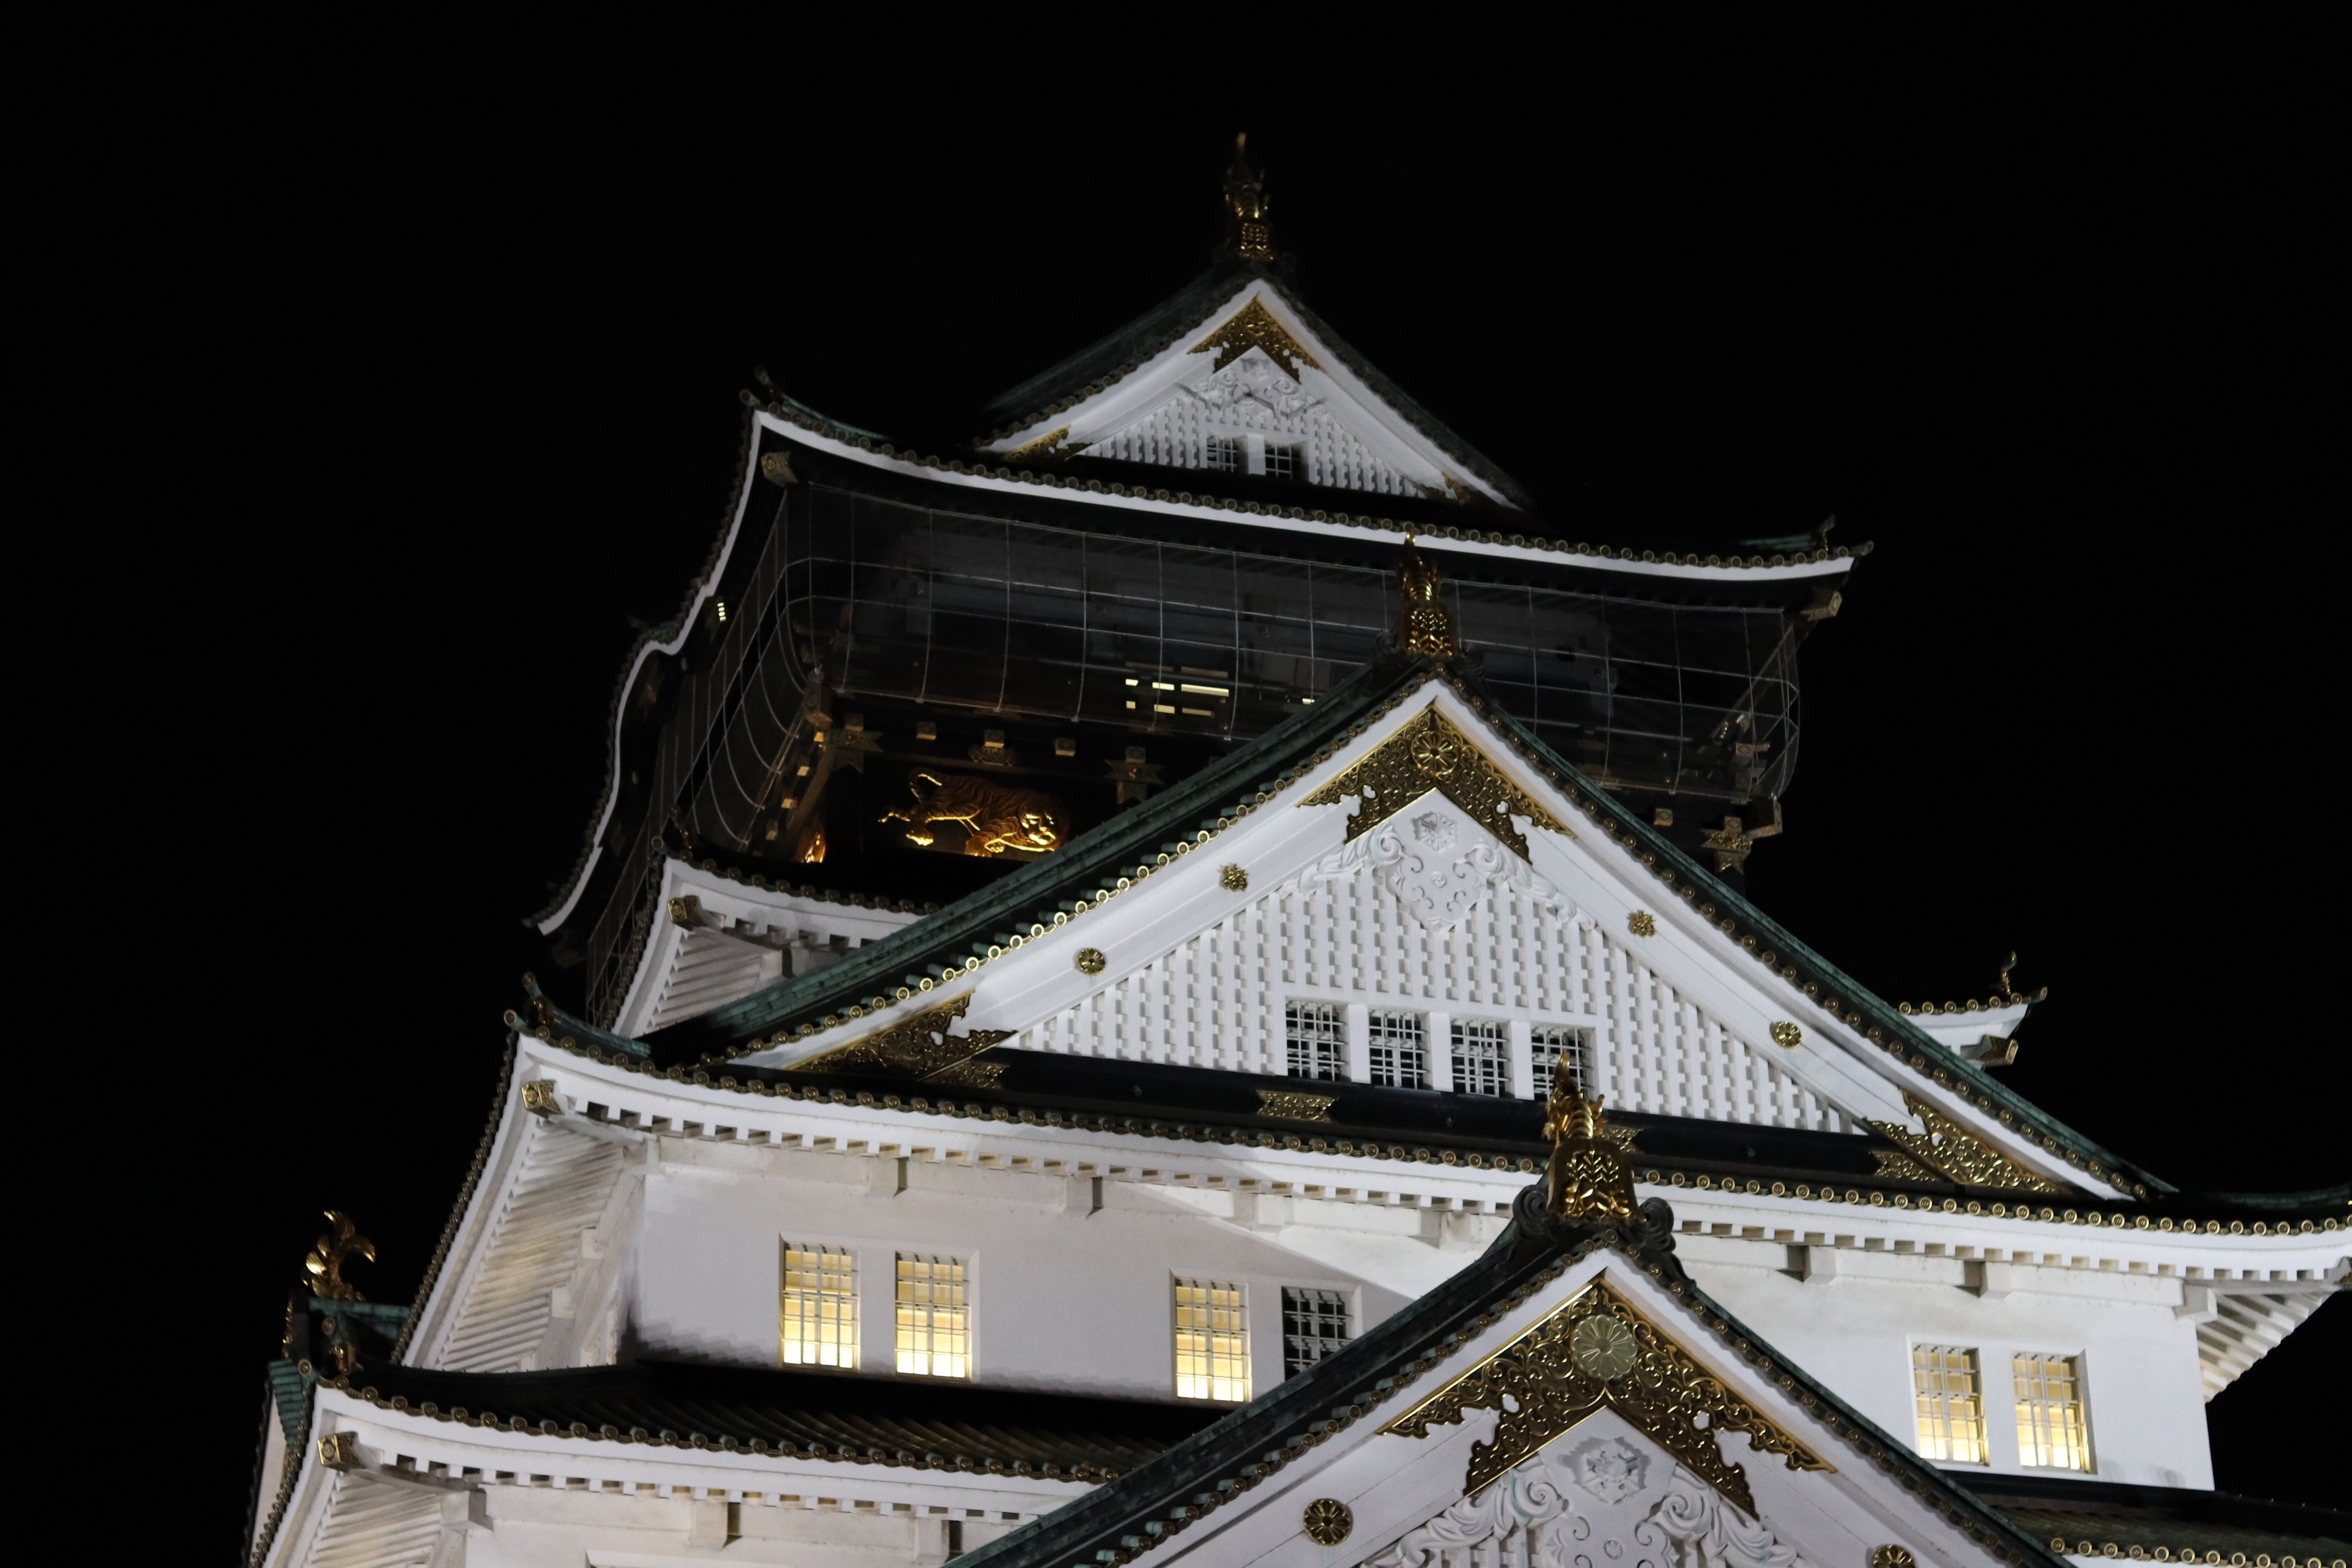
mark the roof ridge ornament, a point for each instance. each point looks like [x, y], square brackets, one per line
[1596, 1352]
[1246, 205]
[1589, 1175]
[1427, 753]
[325, 1264]
[1424, 625]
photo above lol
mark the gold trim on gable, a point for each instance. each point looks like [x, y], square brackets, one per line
[1429, 753]
[1595, 1353]
[1957, 1153]
[920, 1047]
[1254, 327]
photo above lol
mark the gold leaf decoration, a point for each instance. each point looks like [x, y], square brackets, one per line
[1287, 1106]
[1429, 753]
[1251, 327]
[919, 1046]
[1951, 1151]
[1549, 1379]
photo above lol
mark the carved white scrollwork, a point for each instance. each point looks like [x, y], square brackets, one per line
[1529, 1518]
[1438, 863]
[1252, 377]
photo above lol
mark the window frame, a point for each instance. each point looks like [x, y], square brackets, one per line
[1497, 1033]
[786, 1248]
[1344, 1300]
[1921, 1441]
[2079, 1405]
[1228, 1344]
[900, 1303]
[1334, 1015]
[1376, 1045]
[1542, 1073]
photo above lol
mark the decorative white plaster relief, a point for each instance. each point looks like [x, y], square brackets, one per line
[1607, 1500]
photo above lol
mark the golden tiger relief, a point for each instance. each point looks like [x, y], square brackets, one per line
[994, 818]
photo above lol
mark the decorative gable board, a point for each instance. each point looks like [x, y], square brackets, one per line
[1518, 956]
[1630, 1481]
[1255, 374]
[1196, 970]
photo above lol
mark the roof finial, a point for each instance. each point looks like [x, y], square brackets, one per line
[1246, 206]
[325, 1264]
[1587, 1173]
[1426, 626]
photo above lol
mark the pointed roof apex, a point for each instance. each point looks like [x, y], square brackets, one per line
[1423, 624]
[1247, 227]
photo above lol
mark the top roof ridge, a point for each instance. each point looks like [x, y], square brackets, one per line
[1109, 360]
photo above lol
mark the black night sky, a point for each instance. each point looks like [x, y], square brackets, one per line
[469, 405]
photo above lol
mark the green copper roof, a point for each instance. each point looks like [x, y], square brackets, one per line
[1098, 860]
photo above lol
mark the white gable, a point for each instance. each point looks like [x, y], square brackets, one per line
[1321, 893]
[1768, 1478]
[1250, 377]
[1521, 955]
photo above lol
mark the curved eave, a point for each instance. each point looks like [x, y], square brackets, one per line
[665, 639]
[1356, 529]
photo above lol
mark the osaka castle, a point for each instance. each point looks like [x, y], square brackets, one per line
[1164, 976]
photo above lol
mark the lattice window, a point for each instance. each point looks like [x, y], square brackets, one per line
[1213, 1359]
[934, 1316]
[816, 1315]
[1315, 1040]
[1951, 1404]
[1553, 1045]
[1482, 1058]
[1314, 1325]
[2050, 1431]
[1222, 453]
[1396, 1050]
[1281, 462]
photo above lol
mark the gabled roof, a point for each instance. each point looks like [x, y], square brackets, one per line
[1187, 322]
[932, 1424]
[893, 977]
[1446, 1334]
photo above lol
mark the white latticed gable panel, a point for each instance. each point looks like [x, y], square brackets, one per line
[1217, 1000]
[1253, 396]
[562, 1184]
[373, 1524]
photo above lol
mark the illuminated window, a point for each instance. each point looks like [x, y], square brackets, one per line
[817, 1311]
[1552, 1045]
[1212, 1341]
[1316, 1042]
[934, 1316]
[1395, 1049]
[1314, 1325]
[2050, 1429]
[1481, 1062]
[1281, 463]
[1951, 1404]
[1222, 453]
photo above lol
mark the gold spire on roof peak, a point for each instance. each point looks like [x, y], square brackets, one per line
[1589, 1174]
[1425, 625]
[1246, 206]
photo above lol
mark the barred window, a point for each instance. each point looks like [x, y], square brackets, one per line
[1951, 1404]
[934, 1316]
[1314, 1325]
[1281, 462]
[2050, 1428]
[1551, 1045]
[1222, 453]
[1395, 1049]
[1316, 1041]
[817, 1317]
[1482, 1060]
[1213, 1359]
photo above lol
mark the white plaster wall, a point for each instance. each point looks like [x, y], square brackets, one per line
[2141, 1387]
[1064, 1297]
